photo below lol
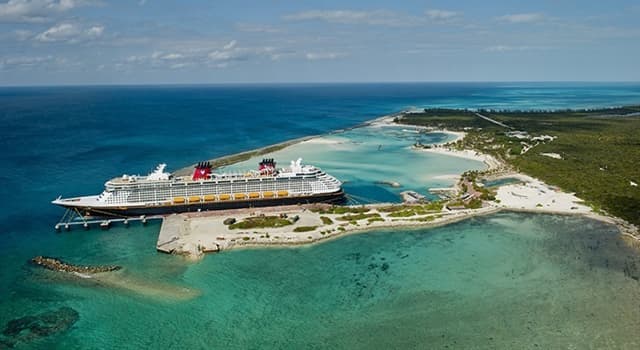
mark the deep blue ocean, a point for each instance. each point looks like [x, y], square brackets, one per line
[70, 140]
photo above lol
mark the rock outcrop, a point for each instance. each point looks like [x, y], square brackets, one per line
[59, 265]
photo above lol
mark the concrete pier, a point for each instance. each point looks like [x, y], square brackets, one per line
[105, 223]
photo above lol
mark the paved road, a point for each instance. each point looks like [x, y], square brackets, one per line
[493, 121]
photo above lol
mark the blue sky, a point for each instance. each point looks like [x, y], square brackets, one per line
[54, 42]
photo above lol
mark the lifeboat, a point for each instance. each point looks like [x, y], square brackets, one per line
[283, 193]
[194, 199]
[267, 194]
[239, 196]
[209, 198]
[224, 197]
[178, 200]
[254, 195]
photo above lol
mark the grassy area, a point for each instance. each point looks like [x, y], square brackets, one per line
[600, 149]
[326, 220]
[341, 210]
[404, 210]
[260, 222]
[356, 217]
[431, 206]
[304, 228]
[374, 219]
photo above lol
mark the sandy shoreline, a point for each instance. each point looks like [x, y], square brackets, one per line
[491, 162]
[193, 234]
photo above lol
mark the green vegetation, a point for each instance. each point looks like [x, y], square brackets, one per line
[403, 213]
[406, 210]
[474, 204]
[341, 210]
[304, 228]
[355, 217]
[260, 222]
[417, 208]
[425, 219]
[600, 149]
[326, 220]
[370, 220]
[471, 178]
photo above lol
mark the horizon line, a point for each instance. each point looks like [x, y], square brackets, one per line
[169, 84]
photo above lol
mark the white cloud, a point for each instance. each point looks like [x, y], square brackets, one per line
[36, 10]
[95, 31]
[179, 65]
[315, 56]
[230, 45]
[522, 18]
[27, 60]
[376, 17]
[441, 15]
[222, 56]
[64, 31]
[172, 56]
[70, 32]
[34, 62]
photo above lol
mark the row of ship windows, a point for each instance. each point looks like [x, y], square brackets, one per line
[167, 193]
[220, 183]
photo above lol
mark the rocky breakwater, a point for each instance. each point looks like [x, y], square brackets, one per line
[59, 265]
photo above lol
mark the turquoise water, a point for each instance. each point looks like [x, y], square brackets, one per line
[505, 281]
[364, 158]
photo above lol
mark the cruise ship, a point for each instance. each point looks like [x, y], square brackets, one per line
[163, 193]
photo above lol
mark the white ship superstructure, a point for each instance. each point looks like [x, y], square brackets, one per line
[161, 192]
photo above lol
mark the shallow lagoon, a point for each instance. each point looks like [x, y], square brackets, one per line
[363, 157]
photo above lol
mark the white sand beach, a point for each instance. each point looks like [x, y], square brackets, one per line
[534, 195]
[488, 160]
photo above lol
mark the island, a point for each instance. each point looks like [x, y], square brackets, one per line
[576, 162]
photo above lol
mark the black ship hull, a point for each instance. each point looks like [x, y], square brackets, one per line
[131, 211]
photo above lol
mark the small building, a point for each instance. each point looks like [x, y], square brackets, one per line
[520, 135]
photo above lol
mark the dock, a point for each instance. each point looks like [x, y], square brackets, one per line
[173, 228]
[72, 218]
[444, 192]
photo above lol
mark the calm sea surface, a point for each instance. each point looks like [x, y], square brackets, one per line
[503, 281]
